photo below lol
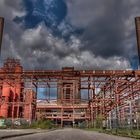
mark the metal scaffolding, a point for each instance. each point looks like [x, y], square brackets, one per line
[112, 94]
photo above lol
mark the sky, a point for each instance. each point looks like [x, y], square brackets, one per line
[86, 34]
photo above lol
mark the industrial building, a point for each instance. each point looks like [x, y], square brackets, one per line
[81, 95]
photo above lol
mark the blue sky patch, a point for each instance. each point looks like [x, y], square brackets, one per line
[52, 13]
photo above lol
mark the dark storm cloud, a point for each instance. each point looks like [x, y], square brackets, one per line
[16, 4]
[105, 41]
[105, 30]
[105, 38]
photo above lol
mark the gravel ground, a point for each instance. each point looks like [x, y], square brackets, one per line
[70, 134]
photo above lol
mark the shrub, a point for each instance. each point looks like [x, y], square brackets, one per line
[43, 124]
[8, 122]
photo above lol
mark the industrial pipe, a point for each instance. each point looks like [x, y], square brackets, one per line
[137, 23]
[1, 30]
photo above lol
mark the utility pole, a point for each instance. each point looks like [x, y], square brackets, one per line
[131, 123]
[137, 120]
[116, 108]
[130, 113]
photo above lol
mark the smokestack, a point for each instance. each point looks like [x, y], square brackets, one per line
[1, 30]
[137, 23]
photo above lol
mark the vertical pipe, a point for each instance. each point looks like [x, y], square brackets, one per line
[137, 24]
[61, 117]
[1, 30]
[17, 92]
[5, 96]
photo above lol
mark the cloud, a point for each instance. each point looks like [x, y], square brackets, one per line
[109, 26]
[12, 31]
[89, 61]
[43, 50]
[107, 39]
[10, 9]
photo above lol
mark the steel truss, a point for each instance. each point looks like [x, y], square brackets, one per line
[108, 93]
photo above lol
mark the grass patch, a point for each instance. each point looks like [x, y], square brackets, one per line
[43, 124]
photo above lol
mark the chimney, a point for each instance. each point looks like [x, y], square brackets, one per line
[137, 23]
[1, 30]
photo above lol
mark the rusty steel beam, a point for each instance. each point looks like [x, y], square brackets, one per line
[58, 74]
[1, 30]
[116, 86]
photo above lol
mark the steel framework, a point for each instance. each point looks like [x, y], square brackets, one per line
[106, 92]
